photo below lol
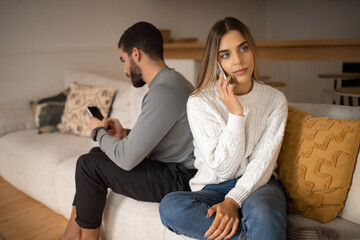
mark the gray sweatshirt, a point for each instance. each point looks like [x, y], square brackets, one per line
[162, 130]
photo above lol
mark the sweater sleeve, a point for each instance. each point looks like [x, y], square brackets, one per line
[159, 113]
[262, 162]
[220, 147]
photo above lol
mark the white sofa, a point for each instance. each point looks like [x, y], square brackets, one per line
[42, 166]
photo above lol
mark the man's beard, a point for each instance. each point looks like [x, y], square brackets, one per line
[136, 75]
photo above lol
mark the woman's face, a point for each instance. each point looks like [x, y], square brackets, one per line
[236, 57]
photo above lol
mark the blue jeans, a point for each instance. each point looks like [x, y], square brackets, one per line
[262, 216]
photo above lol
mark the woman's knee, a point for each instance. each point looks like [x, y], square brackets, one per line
[172, 205]
[169, 203]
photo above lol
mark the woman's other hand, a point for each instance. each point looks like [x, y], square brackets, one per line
[226, 221]
[227, 96]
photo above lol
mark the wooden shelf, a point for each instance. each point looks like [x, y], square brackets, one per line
[184, 50]
[309, 50]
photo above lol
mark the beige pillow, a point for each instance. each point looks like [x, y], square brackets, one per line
[316, 163]
[75, 118]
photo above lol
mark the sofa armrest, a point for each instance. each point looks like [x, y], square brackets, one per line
[16, 115]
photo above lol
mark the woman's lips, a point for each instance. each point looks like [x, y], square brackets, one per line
[240, 71]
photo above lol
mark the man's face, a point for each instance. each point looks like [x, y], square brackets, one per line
[132, 70]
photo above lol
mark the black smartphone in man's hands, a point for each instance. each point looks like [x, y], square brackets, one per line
[95, 112]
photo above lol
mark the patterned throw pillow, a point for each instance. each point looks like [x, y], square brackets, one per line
[75, 119]
[316, 163]
[48, 112]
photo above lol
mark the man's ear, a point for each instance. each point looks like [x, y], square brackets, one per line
[136, 54]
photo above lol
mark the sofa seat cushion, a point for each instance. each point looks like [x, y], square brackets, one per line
[45, 149]
[344, 228]
[132, 215]
[140, 219]
[28, 161]
[65, 184]
[122, 211]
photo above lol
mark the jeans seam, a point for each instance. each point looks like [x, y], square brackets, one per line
[243, 233]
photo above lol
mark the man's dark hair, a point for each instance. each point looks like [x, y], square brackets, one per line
[145, 37]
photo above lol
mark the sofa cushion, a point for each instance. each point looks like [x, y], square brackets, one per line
[351, 210]
[75, 118]
[48, 111]
[120, 108]
[344, 228]
[132, 215]
[65, 184]
[316, 163]
[128, 213]
[329, 110]
[28, 160]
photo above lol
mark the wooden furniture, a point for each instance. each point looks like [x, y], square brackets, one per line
[349, 92]
[339, 77]
[312, 50]
[273, 84]
[339, 91]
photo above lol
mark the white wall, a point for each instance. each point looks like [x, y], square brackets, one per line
[41, 39]
[308, 19]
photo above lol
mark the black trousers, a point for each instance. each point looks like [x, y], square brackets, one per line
[149, 181]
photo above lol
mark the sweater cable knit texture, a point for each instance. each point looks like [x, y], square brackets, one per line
[228, 146]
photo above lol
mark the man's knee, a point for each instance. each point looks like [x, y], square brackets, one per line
[85, 164]
[82, 161]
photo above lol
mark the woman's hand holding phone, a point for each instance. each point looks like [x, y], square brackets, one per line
[227, 96]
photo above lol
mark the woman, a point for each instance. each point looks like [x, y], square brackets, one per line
[238, 125]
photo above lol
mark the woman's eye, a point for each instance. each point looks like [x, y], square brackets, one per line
[244, 49]
[226, 55]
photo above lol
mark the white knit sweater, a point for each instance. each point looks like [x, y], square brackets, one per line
[228, 146]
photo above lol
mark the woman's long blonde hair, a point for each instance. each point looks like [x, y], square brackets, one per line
[207, 74]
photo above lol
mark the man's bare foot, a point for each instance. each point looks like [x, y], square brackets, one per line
[90, 234]
[73, 230]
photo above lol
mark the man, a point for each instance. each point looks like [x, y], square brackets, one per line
[158, 148]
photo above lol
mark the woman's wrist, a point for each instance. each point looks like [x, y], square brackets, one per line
[232, 202]
[238, 112]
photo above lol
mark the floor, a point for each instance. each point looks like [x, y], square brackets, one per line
[22, 217]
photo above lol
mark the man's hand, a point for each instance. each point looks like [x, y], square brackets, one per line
[94, 123]
[226, 221]
[116, 130]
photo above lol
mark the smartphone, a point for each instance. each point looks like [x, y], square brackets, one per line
[220, 70]
[95, 112]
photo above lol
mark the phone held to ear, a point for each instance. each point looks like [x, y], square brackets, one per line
[95, 112]
[220, 70]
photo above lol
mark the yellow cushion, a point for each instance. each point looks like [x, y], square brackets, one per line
[75, 118]
[316, 163]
